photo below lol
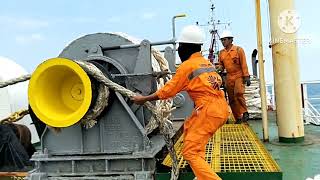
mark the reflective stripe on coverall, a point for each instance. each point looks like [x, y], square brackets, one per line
[196, 76]
[234, 61]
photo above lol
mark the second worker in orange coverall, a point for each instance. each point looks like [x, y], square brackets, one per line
[197, 76]
[233, 59]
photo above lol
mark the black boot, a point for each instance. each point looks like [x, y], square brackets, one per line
[245, 117]
[238, 121]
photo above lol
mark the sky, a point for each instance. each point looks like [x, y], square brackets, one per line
[35, 30]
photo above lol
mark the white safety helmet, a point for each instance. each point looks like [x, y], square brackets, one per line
[226, 34]
[191, 34]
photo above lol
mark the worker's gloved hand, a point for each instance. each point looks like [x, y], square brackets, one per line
[246, 80]
[138, 99]
[219, 69]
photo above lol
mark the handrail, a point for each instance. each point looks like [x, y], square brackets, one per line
[312, 107]
[311, 114]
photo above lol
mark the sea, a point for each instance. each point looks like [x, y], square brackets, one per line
[314, 95]
[313, 92]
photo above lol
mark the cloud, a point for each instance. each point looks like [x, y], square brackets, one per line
[148, 15]
[22, 23]
[27, 39]
[84, 20]
[32, 23]
[114, 19]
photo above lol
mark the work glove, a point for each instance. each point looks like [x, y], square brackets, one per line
[219, 69]
[246, 80]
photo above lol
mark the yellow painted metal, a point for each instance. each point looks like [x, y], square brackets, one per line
[231, 119]
[59, 92]
[234, 148]
[262, 81]
[286, 68]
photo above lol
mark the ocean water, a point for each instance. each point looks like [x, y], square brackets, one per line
[313, 92]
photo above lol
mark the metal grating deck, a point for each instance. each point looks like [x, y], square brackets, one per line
[234, 148]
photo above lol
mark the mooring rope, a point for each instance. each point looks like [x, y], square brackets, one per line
[15, 80]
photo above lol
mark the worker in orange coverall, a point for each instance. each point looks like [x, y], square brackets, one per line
[197, 76]
[233, 59]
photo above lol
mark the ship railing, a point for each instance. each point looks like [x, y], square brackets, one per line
[311, 114]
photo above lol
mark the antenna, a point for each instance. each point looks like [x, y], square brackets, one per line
[214, 45]
[213, 23]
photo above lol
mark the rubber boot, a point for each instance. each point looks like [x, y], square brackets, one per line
[245, 117]
[238, 121]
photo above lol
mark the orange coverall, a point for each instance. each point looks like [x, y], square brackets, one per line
[196, 76]
[234, 61]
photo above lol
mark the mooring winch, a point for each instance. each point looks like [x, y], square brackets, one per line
[116, 146]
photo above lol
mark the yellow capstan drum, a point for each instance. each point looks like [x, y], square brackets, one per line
[59, 92]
